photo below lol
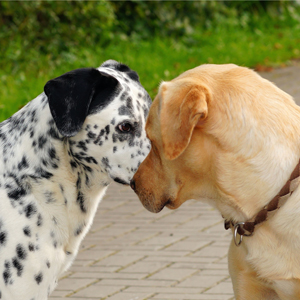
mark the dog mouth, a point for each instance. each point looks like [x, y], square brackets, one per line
[149, 199]
[121, 181]
[170, 205]
[152, 206]
[155, 206]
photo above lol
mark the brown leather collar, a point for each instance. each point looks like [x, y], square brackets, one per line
[247, 228]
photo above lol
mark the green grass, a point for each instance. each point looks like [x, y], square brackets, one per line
[155, 60]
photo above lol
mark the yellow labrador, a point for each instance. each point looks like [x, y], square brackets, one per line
[223, 134]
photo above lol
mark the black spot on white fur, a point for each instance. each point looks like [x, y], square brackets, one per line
[21, 252]
[18, 266]
[38, 278]
[27, 231]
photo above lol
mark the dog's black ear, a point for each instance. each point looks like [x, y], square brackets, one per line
[71, 96]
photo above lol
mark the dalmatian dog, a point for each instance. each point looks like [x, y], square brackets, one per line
[58, 155]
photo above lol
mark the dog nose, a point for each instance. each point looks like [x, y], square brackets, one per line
[132, 184]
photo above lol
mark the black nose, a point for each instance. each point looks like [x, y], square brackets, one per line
[132, 184]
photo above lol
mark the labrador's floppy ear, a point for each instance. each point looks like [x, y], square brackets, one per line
[180, 112]
[73, 95]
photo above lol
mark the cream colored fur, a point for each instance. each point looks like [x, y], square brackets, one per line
[225, 135]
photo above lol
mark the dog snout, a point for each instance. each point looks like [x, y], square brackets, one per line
[132, 184]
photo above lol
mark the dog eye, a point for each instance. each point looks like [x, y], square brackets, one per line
[125, 127]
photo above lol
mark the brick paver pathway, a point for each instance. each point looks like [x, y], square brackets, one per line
[132, 254]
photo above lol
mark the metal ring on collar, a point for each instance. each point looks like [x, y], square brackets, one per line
[237, 238]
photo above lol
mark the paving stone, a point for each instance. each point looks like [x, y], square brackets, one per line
[146, 282]
[130, 296]
[202, 280]
[60, 294]
[221, 288]
[172, 274]
[94, 291]
[119, 260]
[166, 290]
[144, 267]
[190, 297]
[211, 251]
[110, 275]
[71, 284]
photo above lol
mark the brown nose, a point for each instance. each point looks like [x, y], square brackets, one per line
[132, 184]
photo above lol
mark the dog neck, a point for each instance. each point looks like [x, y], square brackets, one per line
[247, 228]
[247, 193]
[39, 161]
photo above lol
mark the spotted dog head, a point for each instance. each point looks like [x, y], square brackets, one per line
[102, 113]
